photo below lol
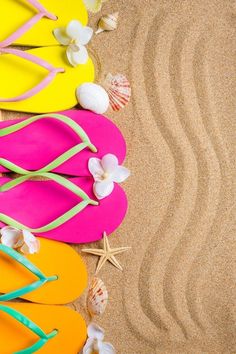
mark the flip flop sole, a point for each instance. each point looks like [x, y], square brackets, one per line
[70, 325]
[36, 203]
[54, 258]
[49, 138]
[19, 75]
[13, 14]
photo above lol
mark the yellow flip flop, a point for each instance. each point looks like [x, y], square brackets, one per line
[31, 22]
[55, 275]
[29, 328]
[40, 80]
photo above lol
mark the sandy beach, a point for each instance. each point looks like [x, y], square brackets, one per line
[177, 291]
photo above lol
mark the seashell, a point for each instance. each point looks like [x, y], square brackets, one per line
[93, 97]
[94, 5]
[119, 91]
[108, 22]
[97, 298]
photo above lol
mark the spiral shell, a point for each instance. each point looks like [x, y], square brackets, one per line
[97, 298]
[108, 22]
[119, 91]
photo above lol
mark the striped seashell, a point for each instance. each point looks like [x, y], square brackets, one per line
[119, 91]
[108, 22]
[97, 298]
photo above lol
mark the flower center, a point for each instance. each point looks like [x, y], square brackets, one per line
[73, 45]
[95, 347]
[105, 175]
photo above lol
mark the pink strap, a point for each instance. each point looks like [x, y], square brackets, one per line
[42, 13]
[45, 82]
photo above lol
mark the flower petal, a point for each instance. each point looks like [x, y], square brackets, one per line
[88, 348]
[95, 332]
[93, 5]
[61, 36]
[106, 348]
[85, 36]
[31, 243]
[109, 163]
[95, 168]
[11, 237]
[103, 189]
[25, 249]
[74, 29]
[120, 174]
[77, 57]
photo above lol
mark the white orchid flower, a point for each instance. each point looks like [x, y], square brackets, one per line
[105, 172]
[75, 36]
[19, 239]
[95, 344]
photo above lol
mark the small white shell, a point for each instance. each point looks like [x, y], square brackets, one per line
[93, 5]
[119, 90]
[108, 22]
[93, 97]
[97, 298]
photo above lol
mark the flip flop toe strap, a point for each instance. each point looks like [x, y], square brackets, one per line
[39, 87]
[86, 200]
[33, 327]
[86, 143]
[51, 166]
[29, 24]
[42, 279]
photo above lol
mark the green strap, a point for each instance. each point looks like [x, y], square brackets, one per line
[61, 219]
[42, 279]
[25, 321]
[59, 160]
[51, 166]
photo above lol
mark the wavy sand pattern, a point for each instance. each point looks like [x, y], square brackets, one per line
[177, 294]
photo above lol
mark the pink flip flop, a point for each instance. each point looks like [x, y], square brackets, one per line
[60, 209]
[62, 142]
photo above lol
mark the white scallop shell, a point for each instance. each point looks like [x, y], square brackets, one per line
[119, 91]
[97, 298]
[93, 97]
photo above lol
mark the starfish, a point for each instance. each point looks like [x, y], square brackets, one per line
[106, 254]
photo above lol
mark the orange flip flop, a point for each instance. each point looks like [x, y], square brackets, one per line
[29, 328]
[55, 275]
